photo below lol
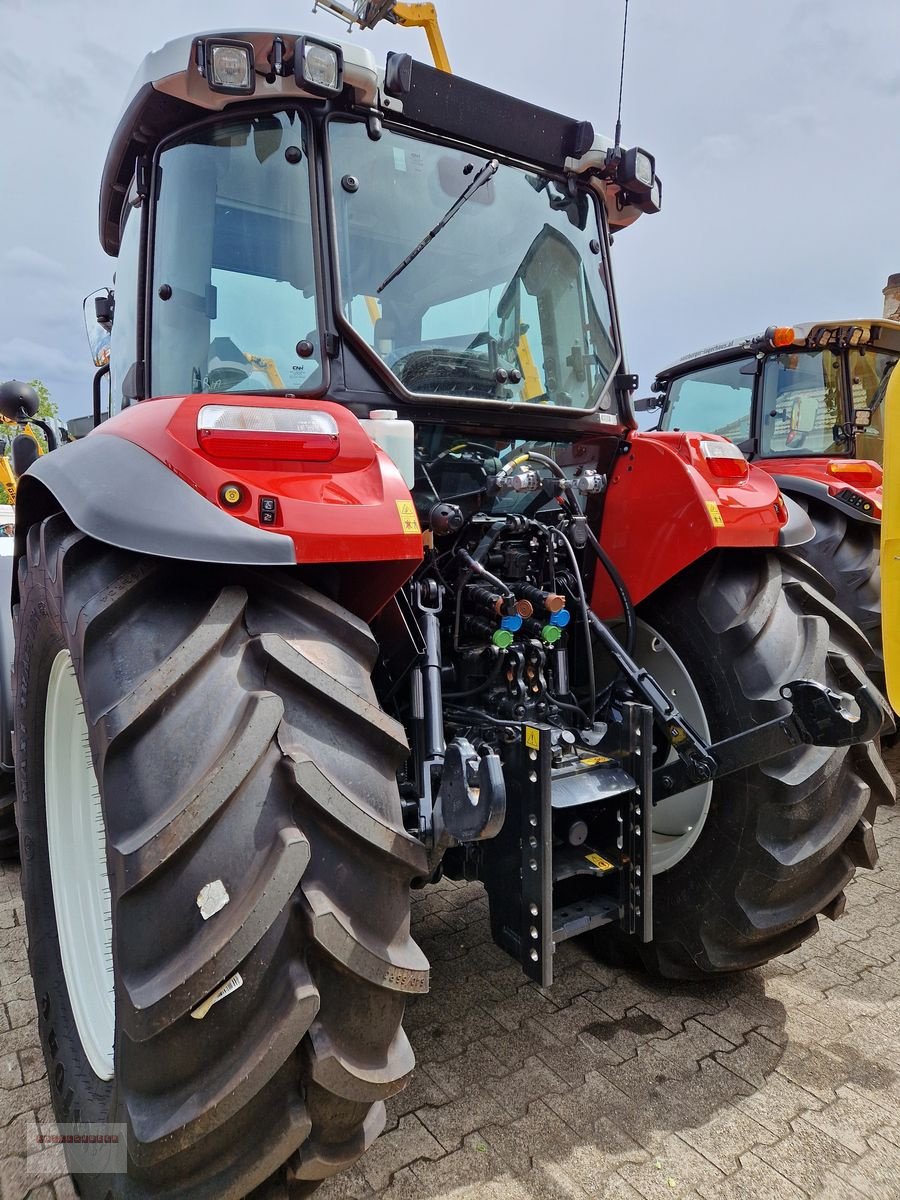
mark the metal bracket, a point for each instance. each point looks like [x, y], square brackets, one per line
[819, 718]
[637, 827]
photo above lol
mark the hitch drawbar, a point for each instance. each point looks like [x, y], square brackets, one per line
[551, 904]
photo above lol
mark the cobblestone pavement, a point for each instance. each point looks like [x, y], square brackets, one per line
[782, 1083]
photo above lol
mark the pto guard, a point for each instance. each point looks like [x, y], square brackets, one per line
[664, 509]
[890, 541]
[344, 514]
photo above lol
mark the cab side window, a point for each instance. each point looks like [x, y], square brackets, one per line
[716, 399]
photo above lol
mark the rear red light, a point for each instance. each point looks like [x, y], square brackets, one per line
[255, 432]
[724, 460]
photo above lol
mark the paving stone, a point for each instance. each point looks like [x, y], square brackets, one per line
[807, 1156]
[680, 1173]
[454, 1076]
[727, 1135]
[875, 1174]
[777, 1103]
[452, 1121]
[852, 1119]
[781, 1083]
[533, 1080]
[409, 1141]
[753, 1180]
[473, 1172]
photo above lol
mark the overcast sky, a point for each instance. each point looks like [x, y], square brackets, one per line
[774, 124]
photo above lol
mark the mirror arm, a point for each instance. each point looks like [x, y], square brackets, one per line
[98, 399]
[47, 430]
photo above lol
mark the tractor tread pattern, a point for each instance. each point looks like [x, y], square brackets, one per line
[293, 766]
[795, 827]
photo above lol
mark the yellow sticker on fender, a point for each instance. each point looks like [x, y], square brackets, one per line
[714, 515]
[600, 863]
[408, 518]
[532, 738]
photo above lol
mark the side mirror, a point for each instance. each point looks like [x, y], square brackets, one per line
[804, 414]
[647, 403]
[99, 309]
[18, 401]
[23, 453]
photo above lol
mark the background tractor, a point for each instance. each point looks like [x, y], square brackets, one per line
[430, 605]
[806, 404]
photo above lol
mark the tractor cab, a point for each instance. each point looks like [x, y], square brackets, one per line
[806, 404]
[800, 399]
[309, 223]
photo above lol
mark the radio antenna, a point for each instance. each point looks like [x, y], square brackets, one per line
[621, 78]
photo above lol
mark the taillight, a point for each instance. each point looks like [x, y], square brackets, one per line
[724, 460]
[251, 431]
[852, 471]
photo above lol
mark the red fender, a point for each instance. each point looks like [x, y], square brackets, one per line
[664, 509]
[828, 478]
[355, 509]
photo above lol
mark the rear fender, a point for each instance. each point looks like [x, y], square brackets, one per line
[664, 510]
[812, 478]
[141, 482]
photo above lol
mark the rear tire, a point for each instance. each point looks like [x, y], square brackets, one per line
[236, 737]
[781, 840]
[9, 833]
[847, 553]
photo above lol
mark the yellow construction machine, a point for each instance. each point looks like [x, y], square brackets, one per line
[366, 14]
[890, 540]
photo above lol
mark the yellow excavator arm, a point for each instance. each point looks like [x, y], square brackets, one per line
[890, 540]
[424, 16]
[411, 16]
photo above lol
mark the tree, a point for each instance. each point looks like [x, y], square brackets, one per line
[47, 409]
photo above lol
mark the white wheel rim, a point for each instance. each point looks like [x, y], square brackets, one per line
[76, 844]
[678, 820]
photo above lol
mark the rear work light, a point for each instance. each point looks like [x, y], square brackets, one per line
[228, 66]
[724, 460]
[248, 431]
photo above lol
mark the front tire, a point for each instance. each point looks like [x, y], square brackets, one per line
[236, 741]
[781, 840]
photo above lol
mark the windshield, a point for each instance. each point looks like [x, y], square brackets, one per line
[508, 299]
[802, 404]
[234, 301]
[714, 400]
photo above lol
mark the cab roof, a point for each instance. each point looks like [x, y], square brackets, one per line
[876, 332]
[170, 92]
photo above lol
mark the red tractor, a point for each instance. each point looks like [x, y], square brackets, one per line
[806, 404]
[284, 652]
